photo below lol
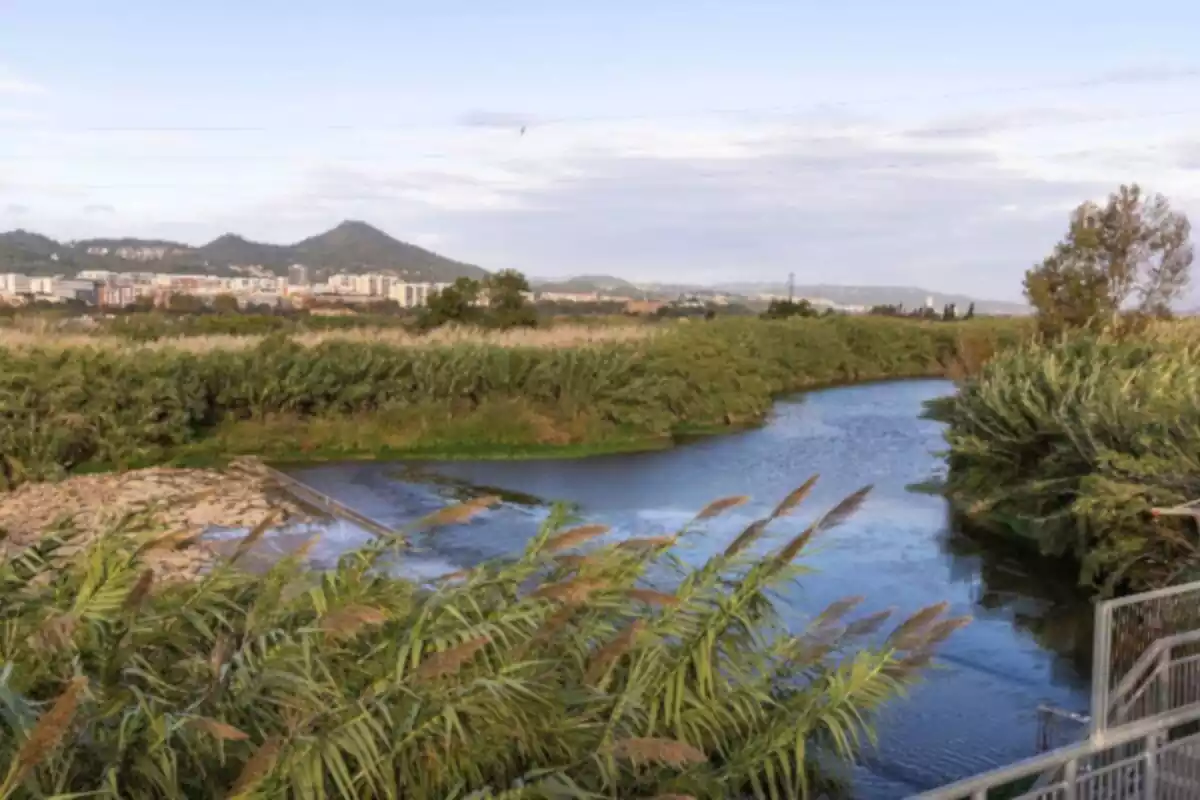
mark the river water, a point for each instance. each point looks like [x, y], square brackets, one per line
[975, 710]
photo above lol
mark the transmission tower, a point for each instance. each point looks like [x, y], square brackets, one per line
[791, 287]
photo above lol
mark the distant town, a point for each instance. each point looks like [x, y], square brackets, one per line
[257, 286]
[356, 265]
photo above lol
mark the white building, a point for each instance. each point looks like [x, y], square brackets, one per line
[13, 283]
[42, 286]
[414, 295]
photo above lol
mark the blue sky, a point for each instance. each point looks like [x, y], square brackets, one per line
[932, 143]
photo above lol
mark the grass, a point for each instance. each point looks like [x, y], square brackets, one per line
[557, 673]
[1067, 446]
[66, 406]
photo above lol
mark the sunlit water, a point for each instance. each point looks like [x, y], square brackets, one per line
[976, 710]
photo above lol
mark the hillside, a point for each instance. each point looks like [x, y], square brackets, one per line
[355, 246]
[350, 247]
[908, 296]
[605, 284]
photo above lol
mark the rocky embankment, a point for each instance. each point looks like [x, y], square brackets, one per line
[187, 502]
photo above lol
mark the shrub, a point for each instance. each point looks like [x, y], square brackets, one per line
[1069, 445]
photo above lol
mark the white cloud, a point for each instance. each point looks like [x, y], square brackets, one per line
[10, 83]
[963, 197]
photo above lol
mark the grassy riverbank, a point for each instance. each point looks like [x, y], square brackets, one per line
[1067, 446]
[556, 673]
[80, 404]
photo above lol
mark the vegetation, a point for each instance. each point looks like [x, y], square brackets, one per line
[1069, 444]
[79, 406]
[783, 309]
[1132, 256]
[498, 301]
[558, 673]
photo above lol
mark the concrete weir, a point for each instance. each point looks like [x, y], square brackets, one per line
[306, 494]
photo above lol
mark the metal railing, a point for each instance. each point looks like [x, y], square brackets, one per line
[1144, 731]
[1130, 633]
[1157, 758]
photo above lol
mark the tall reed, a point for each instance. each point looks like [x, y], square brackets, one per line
[64, 407]
[353, 684]
[1068, 445]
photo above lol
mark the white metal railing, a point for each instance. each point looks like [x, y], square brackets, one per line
[1144, 737]
[1157, 758]
[1130, 638]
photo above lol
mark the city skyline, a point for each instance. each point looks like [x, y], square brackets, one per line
[692, 141]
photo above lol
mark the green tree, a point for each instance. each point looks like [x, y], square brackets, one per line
[782, 309]
[225, 304]
[1133, 256]
[184, 303]
[506, 295]
[457, 304]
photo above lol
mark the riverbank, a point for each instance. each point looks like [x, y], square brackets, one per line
[76, 407]
[1066, 447]
[184, 503]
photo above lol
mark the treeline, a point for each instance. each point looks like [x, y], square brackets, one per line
[1067, 444]
[785, 309]
[74, 408]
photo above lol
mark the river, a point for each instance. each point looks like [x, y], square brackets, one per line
[977, 707]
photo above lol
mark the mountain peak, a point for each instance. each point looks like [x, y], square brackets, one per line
[352, 246]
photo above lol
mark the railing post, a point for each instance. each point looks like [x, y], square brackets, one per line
[1101, 664]
[1070, 779]
[1163, 679]
[1150, 783]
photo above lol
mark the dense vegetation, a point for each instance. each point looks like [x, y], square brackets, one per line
[1069, 443]
[559, 673]
[67, 408]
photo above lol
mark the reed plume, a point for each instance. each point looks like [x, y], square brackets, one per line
[46, 735]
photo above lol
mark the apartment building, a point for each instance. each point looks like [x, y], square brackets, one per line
[13, 284]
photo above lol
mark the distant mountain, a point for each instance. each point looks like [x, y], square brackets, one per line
[24, 251]
[908, 296]
[112, 244]
[605, 284]
[354, 247]
[231, 249]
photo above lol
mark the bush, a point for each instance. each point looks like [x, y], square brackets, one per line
[1069, 445]
[557, 673]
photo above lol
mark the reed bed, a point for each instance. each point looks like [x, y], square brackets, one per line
[447, 336]
[66, 408]
[524, 678]
[1069, 445]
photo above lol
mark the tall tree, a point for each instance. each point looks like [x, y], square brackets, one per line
[1133, 254]
[225, 304]
[506, 293]
[457, 303]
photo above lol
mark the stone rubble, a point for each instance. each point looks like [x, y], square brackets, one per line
[183, 502]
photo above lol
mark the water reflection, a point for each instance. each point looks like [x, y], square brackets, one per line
[1040, 599]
